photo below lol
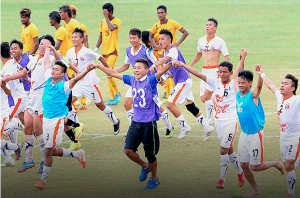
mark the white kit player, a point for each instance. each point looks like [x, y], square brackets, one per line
[288, 106]
[210, 47]
[80, 57]
[225, 116]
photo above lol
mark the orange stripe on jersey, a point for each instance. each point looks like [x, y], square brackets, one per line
[178, 94]
[235, 130]
[286, 98]
[16, 107]
[224, 84]
[262, 147]
[76, 51]
[98, 90]
[2, 128]
[7, 60]
[298, 150]
[55, 132]
[210, 67]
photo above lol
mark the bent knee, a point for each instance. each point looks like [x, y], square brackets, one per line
[128, 152]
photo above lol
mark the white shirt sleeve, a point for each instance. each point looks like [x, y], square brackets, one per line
[67, 88]
[224, 49]
[199, 46]
[173, 53]
[278, 95]
[127, 61]
[151, 57]
[93, 55]
[210, 82]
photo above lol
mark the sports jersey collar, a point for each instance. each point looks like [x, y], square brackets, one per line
[78, 50]
[134, 51]
[287, 98]
[7, 60]
[226, 83]
[165, 53]
[143, 78]
[208, 40]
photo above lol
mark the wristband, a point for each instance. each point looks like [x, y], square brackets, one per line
[262, 75]
[66, 62]
[96, 49]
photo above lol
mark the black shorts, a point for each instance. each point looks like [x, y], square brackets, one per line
[145, 133]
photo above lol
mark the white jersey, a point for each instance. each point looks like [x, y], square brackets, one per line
[215, 44]
[81, 60]
[10, 68]
[37, 68]
[4, 109]
[224, 98]
[288, 114]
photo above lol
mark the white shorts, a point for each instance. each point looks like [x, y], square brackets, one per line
[20, 104]
[3, 122]
[91, 92]
[73, 115]
[129, 93]
[213, 73]
[226, 130]
[182, 92]
[251, 148]
[289, 148]
[35, 106]
[52, 131]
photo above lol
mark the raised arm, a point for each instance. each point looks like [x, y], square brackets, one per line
[257, 90]
[110, 72]
[185, 33]
[123, 68]
[240, 67]
[159, 62]
[5, 89]
[47, 61]
[163, 70]
[259, 70]
[74, 80]
[191, 70]
[152, 41]
[111, 27]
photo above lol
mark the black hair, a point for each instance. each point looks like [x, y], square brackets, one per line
[49, 38]
[213, 20]
[144, 61]
[145, 38]
[55, 16]
[60, 63]
[25, 12]
[66, 8]
[226, 64]
[167, 33]
[246, 75]
[109, 7]
[73, 12]
[136, 31]
[80, 31]
[5, 50]
[294, 81]
[17, 42]
[162, 7]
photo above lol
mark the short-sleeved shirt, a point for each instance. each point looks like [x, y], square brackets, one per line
[224, 98]
[37, 68]
[288, 114]
[171, 25]
[81, 60]
[23, 61]
[4, 107]
[83, 27]
[70, 27]
[143, 91]
[62, 35]
[10, 68]
[214, 44]
[27, 35]
[110, 40]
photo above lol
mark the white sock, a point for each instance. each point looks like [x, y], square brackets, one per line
[16, 131]
[69, 153]
[235, 163]
[12, 136]
[182, 121]
[5, 154]
[209, 106]
[110, 114]
[46, 170]
[204, 123]
[129, 115]
[40, 138]
[29, 143]
[223, 166]
[165, 118]
[8, 146]
[9, 127]
[291, 181]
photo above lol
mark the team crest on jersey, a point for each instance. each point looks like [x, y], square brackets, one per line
[287, 106]
[239, 109]
[212, 47]
[81, 59]
[40, 63]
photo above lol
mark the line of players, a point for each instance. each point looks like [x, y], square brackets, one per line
[225, 118]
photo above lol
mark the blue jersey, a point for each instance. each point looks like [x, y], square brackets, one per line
[252, 117]
[143, 91]
[54, 100]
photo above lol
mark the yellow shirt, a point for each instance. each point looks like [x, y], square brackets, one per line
[110, 41]
[27, 35]
[70, 27]
[62, 35]
[81, 26]
[171, 25]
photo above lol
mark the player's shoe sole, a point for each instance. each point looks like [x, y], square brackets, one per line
[40, 184]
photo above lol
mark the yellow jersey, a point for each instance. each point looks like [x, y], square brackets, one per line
[70, 27]
[27, 35]
[62, 35]
[171, 25]
[81, 26]
[110, 41]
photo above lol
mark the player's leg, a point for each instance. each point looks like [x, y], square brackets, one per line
[128, 104]
[112, 84]
[166, 119]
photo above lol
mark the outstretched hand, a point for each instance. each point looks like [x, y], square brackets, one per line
[177, 63]
[243, 53]
[151, 69]
[90, 67]
[258, 69]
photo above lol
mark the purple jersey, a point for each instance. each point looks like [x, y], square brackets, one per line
[23, 61]
[180, 74]
[143, 91]
[141, 54]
